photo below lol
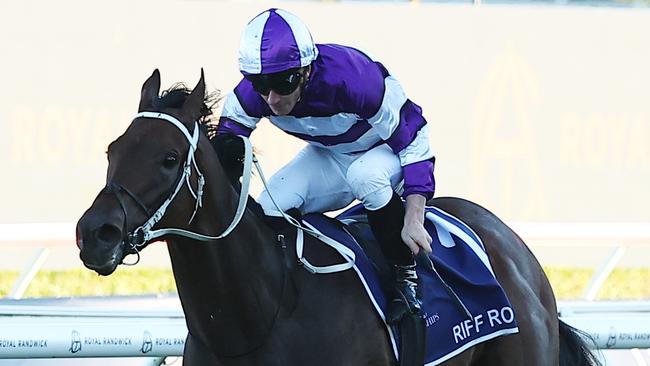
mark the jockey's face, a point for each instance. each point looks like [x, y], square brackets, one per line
[280, 104]
[281, 91]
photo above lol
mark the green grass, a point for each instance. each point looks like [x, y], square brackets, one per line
[81, 282]
[622, 284]
[568, 283]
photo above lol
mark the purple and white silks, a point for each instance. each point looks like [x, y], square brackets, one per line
[350, 105]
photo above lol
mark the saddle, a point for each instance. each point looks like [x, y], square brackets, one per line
[464, 304]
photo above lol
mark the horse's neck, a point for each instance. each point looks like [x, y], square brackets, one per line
[230, 289]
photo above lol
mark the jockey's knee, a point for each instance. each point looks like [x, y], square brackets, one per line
[373, 191]
[377, 199]
[284, 203]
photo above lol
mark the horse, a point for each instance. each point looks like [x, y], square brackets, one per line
[246, 300]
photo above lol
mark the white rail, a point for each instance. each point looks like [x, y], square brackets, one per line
[150, 327]
[617, 236]
[39, 235]
[55, 234]
[72, 337]
[612, 324]
[587, 234]
[30, 331]
[37, 332]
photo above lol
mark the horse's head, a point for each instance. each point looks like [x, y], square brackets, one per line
[147, 168]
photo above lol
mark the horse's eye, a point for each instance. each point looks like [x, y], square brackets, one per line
[170, 161]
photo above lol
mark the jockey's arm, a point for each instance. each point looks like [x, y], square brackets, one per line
[400, 123]
[413, 232]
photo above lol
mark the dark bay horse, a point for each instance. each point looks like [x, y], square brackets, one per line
[245, 299]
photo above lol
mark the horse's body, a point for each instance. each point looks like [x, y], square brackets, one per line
[245, 298]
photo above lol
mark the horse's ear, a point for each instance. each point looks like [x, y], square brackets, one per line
[193, 105]
[150, 90]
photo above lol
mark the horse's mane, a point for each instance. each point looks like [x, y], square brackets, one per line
[175, 96]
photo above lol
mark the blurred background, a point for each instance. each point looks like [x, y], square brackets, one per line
[539, 111]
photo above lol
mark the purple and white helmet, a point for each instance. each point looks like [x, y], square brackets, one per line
[275, 41]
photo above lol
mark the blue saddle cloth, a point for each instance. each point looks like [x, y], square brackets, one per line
[461, 260]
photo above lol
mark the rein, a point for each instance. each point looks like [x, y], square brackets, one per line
[145, 233]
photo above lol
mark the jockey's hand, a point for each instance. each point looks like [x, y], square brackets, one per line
[413, 233]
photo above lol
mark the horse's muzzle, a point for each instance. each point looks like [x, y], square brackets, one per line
[101, 244]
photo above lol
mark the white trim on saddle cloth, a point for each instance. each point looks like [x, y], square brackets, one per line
[448, 231]
[368, 291]
[445, 227]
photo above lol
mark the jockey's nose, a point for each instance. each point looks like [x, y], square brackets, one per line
[273, 97]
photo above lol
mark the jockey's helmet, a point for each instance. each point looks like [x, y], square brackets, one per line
[275, 41]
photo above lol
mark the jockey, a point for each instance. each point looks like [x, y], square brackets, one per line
[366, 139]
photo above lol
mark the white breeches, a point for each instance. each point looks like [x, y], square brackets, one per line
[317, 180]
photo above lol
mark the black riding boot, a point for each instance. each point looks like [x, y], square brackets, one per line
[386, 224]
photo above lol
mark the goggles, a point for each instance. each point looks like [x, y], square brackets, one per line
[283, 83]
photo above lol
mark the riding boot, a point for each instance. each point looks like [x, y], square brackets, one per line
[406, 283]
[386, 224]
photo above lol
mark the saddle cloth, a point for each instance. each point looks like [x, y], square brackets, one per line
[462, 262]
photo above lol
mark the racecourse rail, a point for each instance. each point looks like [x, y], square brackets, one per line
[32, 330]
[49, 331]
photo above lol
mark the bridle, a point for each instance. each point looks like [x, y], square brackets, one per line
[144, 233]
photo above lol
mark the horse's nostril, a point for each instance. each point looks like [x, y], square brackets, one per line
[109, 234]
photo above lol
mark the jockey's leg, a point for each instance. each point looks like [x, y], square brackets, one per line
[374, 178]
[386, 223]
[313, 181]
